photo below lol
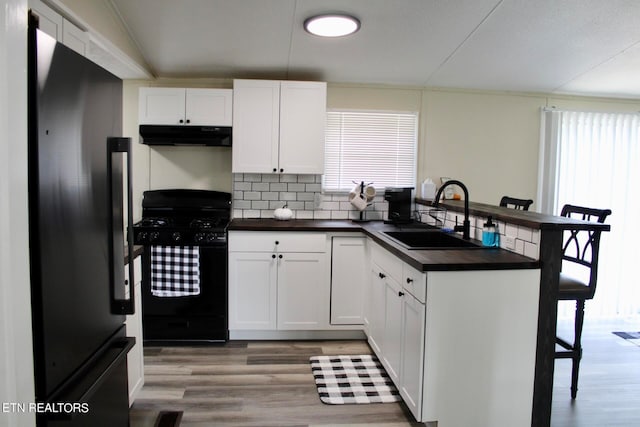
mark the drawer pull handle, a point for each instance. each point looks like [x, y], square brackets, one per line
[409, 280]
[381, 275]
[400, 294]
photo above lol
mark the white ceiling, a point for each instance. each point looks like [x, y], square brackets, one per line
[588, 47]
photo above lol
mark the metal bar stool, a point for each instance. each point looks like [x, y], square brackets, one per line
[512, 202]
[580, 248]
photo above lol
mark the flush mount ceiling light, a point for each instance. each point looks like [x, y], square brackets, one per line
[334, 25]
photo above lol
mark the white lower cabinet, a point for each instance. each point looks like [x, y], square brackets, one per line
[349, 274]
[301, 291]
[252, 290]
[397, 325]
[133, 326]
[278, 281]
[412, 353]
[393, 329]
[375, 309]
[456, 339]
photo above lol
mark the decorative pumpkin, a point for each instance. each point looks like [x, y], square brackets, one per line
[283, 213]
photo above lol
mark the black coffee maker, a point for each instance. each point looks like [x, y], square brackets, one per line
[399, 199]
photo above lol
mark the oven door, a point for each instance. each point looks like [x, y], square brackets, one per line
[200, 317]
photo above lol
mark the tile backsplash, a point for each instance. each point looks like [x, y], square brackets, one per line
[258, 195]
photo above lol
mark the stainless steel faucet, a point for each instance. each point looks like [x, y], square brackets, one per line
[465, 227]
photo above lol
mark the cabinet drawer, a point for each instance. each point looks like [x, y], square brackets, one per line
[391, 264]
[273, 241]
[415, 282]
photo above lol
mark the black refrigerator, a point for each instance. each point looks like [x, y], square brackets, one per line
[77, 159]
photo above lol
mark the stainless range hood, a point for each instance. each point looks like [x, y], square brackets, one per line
[213, 136]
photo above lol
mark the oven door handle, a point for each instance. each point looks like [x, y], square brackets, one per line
[122, 289]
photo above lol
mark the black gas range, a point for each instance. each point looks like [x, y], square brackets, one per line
[183, 217]
[184, 295]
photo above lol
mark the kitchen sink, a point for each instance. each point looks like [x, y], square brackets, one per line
[430, 239]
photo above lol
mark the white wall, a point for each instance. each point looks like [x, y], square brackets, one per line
[16, 360]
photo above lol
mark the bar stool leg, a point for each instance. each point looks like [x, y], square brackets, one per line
[577, 347]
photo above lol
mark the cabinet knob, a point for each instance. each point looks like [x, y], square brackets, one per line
[181, 121]
[409, 280]
[277, 242]
[400, 294]
[273, 256]
[280, 256]
[188, 121]
[281, 170]
[275, 170]
[382, 275]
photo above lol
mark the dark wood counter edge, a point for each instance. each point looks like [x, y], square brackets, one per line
[137, 251]
[422, 260]
[529, 219]
[294, 225]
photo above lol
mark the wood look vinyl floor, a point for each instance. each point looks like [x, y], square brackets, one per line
[269, 383]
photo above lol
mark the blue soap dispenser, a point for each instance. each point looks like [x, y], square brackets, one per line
[490, 235]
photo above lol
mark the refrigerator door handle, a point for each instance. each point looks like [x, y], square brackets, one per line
[122, 289]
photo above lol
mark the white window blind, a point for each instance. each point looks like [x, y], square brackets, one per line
[593, 159]
[370, 146]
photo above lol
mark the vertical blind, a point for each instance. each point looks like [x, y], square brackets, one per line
[597, 164]
[378, 147]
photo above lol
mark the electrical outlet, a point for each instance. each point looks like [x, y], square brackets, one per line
[509, 242]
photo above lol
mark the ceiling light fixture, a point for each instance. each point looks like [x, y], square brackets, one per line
[333, 25]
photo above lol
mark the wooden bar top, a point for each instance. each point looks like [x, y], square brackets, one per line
[534, 220]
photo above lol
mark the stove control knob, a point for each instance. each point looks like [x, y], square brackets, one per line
[198, 237]
[176, 236]
[142, 236]
[153, 236]
[211, 237]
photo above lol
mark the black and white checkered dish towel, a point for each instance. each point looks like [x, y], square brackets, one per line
[352, 379]
[175, 271]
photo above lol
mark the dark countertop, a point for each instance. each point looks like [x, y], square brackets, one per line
[529, 219]
[423, 260]
[137, 251]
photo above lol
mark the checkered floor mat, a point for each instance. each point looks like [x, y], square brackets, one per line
[352, 379]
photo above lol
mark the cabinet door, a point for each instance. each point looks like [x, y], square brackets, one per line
[252, 290]
[49, 21]
[303, 291]
[256, 118]
[348, 276]
[74, 38]
[208, 107]
[135, 357]
[161, 106]
[303, 110]
[392, 341]
[377, 310]
[413, 331]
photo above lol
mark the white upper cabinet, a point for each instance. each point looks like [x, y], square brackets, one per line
[180, 106]
[278, 126]
[53, 24]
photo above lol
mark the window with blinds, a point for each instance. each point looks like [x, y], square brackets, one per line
[370, 146]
